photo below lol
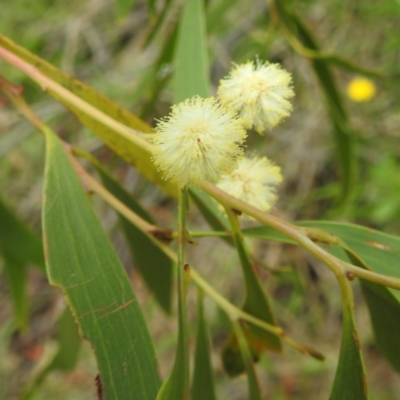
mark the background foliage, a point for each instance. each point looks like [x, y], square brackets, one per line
[126, 53]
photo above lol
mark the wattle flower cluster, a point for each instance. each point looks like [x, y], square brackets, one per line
[259, 93]
[202, 139]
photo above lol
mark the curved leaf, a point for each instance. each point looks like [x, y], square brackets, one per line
[81, 261]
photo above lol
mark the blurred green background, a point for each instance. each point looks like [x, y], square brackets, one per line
[125, 51]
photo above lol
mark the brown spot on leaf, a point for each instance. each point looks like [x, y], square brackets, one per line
[99, 387]
[356, 339]
[379, 246]
[121, 307]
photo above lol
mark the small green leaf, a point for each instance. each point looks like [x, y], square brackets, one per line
[191, 77]
[82, 262]
[257, 304]
[176, 386]
[69, 343]
[203, 382]
[254, 387]
[152, 263]
[158, 76]
[350, 380]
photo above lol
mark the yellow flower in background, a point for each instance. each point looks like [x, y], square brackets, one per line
[253, 181]
[259, 93]
[361, 89]
[199, 140]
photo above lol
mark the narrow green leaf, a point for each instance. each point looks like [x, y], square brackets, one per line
[69, 342]
[384, 311]
[350, 380]
[18, 240]
[158, 76]
[257, 304]
[152, 6]
[160, 19]
[16, 272]
[152, 263]
[254, 388]
[81, 261]
[176, 386]
[124, 7]
[191, 76]
[203, 382]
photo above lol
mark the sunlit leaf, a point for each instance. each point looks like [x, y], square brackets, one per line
[82, 262]
[112, 124]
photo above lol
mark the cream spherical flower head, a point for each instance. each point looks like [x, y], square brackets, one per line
[199, 140]
[259, 92]
[254, 181]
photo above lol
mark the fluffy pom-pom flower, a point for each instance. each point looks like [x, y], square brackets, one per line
[259, 92]
[253, 181]
[199, 140]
